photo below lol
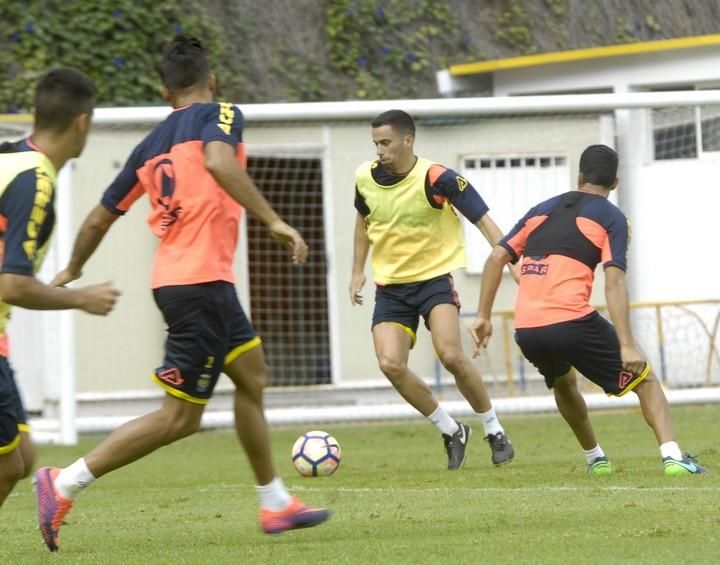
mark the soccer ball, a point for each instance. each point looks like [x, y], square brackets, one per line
[316, 454]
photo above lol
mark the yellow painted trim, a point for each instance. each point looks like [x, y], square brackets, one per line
[16, 119]
[24, 428]
[243, 348]
[641, 378]
[5, 449]
[178, 393]
[584, 54]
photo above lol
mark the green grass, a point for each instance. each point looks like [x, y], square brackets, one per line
[394, 501]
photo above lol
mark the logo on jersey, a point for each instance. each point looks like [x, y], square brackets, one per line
[164, 176]
[203, 383]
[462, 183]
[171, 376]
[534, 269]
[226, 117]
[625, 378]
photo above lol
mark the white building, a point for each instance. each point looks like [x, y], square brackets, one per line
[670, 158]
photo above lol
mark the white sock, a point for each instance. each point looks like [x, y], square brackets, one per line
[670, 449]
[443, 421]
[592, 454]
[490, 422]
[72, 480]
[273, 496]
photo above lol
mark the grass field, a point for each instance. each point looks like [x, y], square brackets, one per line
[394, 501]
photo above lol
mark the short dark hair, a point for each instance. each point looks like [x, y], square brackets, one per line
[599, 165]
[397, 119]
[184, 63]
[61, 95]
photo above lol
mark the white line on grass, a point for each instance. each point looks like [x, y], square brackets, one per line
[508, 489]
[539, 488]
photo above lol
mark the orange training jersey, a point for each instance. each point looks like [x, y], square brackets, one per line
[561, 241]
[194, 218]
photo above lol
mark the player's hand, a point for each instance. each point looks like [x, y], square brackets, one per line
[357, 282]
[64, 277]
[631, 359]
[99, 298]
[480, 331]
[291, 239]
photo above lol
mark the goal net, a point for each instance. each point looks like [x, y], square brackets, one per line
[80, 373]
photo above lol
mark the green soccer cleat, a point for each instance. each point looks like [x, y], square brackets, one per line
[688, 465]
[600, 467]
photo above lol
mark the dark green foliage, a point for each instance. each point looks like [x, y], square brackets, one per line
[308, 50]
[116, 42]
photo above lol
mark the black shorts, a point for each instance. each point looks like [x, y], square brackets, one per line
[589, 344]
[13, 419]
[404, 303]
[207, 329]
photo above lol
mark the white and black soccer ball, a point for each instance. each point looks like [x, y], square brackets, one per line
[316, 454]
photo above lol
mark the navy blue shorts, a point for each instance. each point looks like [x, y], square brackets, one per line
[207, 329]
[404, 303]
[589, 344]
[13, 419]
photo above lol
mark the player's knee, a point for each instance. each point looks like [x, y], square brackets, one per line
[255, 384]
[392, 368]
[181, 429]
[453, 360]
[180, 424]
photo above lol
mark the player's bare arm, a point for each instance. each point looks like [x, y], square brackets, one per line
[28, 292]
[493, 235]
[481, 328]
[616, 296]
[221, 162]
[361, 248]
[91, 233]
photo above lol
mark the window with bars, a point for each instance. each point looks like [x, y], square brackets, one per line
[510, 185]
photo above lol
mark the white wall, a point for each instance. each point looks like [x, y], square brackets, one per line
[674, 207]
[119, 352]
[672, 204]
[666, 68]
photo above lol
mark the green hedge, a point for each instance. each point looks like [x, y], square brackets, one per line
[371, 48]
[116, 42]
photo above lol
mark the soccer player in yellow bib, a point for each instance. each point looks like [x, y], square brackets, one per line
[405, 214]
[64, 101]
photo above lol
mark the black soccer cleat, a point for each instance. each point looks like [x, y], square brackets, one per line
[456, 446]
[502, 450]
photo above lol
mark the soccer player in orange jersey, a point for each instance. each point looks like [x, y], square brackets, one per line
[191, 166]
[405, 214]
[64, 101]
[560, 242]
